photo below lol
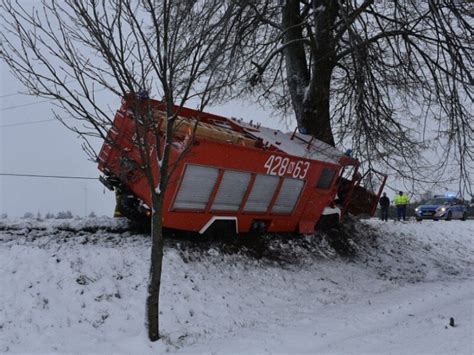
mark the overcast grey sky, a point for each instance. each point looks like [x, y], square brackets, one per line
[45, 148]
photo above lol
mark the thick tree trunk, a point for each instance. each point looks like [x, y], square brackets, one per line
[309, 87]
[154, 281]
[316, 117]
[297, 72]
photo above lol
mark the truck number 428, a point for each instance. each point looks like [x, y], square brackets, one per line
[277, 165]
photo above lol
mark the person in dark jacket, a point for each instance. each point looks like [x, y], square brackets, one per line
[384, 205]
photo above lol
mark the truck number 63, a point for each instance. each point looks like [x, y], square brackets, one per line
[277, 165]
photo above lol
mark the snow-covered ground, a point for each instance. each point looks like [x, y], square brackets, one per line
[79, 286]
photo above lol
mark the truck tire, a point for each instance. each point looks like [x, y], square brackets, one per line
[464, 216]
[449, 216]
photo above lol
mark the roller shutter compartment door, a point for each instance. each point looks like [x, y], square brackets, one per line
[231, 191]
[196, 187]
[288, 196]
[262, 192]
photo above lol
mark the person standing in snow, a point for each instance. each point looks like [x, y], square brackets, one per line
[401, 201]
[384, 205]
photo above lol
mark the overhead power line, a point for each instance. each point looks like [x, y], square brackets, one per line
[39, 121]
[12, 94]
[51, 176]
[26, 94]
[28, 123]
[34, 103]
[23, 105]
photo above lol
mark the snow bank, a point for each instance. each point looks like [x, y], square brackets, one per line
[83, 291]
[72, 224]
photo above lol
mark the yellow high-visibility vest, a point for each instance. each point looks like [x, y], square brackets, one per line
[401, 200]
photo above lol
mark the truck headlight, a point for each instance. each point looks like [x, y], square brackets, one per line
[417, 209]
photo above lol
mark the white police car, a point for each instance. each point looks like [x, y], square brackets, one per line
[442, 207]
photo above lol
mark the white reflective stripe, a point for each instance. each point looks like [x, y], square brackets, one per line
[262, 192]
[219, 218]
[288, 196]
[231, 191]
[196, 187]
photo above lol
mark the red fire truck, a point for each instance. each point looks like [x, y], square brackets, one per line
[238, 174]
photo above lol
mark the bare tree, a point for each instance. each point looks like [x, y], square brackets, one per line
[389, 77]
[71, 50]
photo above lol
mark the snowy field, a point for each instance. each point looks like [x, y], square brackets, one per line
[79, 287]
